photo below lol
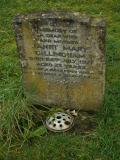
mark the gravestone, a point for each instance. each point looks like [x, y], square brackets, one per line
[62, 57]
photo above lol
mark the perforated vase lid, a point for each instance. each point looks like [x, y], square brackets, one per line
[59, 122]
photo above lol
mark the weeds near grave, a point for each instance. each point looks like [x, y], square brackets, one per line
[18, 118]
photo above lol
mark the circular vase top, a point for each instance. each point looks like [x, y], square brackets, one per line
[59, 122]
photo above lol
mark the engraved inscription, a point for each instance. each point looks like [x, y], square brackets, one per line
[59, 54]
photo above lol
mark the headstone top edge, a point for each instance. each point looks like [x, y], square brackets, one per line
[77, 16]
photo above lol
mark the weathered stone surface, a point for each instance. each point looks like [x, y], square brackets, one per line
[62, 56]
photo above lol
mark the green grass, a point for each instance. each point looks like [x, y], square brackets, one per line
[104, 142]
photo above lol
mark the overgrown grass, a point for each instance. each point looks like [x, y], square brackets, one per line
[104, 142]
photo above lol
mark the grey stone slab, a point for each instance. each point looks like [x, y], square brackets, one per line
[62, 57]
